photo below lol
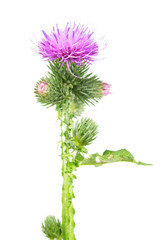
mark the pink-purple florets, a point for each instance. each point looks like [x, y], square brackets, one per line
[42, 88]
[106, 89]
[74, 44]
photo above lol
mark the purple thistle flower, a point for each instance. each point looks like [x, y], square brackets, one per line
[71, 45]
[106, 89]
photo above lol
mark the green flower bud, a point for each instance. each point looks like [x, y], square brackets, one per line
[85, 131]
[52, 228]
[76, 108]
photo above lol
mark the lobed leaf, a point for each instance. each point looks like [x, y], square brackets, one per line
[109, 157]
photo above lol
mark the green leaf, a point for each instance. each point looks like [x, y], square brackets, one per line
[109, 157]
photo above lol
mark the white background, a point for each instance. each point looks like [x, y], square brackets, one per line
[121, 201]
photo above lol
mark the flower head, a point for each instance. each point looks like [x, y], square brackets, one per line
[106, 89]
[73, 44]
[42, 88]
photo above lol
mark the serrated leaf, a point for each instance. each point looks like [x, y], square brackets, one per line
[109, 157]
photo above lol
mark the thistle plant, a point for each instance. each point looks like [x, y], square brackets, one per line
[69, 86]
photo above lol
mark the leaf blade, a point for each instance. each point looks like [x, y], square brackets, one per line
[109, 156]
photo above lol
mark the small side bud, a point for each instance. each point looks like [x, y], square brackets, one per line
[76, 108]
[52, 228]
[85, 131]
[42, 88]
[106, 89]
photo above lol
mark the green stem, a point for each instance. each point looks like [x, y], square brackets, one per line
[67, 188]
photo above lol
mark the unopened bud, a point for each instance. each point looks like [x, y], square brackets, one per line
[106, 89]
[42, 88]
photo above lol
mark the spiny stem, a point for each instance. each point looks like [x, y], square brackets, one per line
[67, 188]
